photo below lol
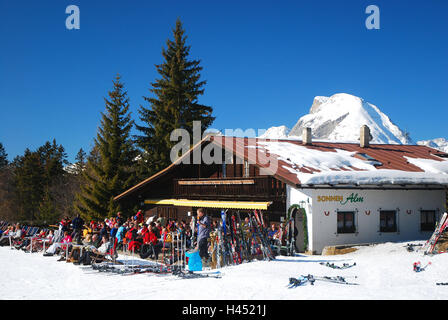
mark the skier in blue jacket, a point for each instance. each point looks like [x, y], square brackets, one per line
[120, 234]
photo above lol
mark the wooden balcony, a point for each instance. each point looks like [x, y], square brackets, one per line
[261, 188]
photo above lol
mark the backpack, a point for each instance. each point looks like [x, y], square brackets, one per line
[168, 237]
[87, 259]
[146, 250]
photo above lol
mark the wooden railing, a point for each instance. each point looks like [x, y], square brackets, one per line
[252, 187]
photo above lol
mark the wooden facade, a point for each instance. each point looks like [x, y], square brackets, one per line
[247, 174]
[236, 181]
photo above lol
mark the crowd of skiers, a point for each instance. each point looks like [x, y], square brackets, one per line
[84, 242]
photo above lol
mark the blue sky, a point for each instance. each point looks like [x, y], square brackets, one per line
[264, 62]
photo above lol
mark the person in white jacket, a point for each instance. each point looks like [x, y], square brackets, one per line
[4, 239]
[13, 234]
[104, 248]
[17, 234]
[56, 245]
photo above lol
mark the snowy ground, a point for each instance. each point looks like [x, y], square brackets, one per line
[384, 272]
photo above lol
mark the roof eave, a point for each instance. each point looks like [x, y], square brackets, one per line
[162, 172]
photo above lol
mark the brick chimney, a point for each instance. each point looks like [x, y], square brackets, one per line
[306, 136]
[365, 137]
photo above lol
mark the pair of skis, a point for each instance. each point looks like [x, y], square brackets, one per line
[239, 242]
[224, 243]
[334, 266]
[134, 270]
[260, 231]
[245, 249]
[130, 270]
[236, 245]
[337, 279]
[195, 275]
[290, 236]
[410, 246]
[302, 280]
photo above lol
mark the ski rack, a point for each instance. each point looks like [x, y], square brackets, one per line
[179, 249]
[237, 244]
[177, 260]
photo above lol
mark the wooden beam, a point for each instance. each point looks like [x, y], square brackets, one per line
[214, 182]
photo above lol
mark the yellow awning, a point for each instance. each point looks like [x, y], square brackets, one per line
[211, 204]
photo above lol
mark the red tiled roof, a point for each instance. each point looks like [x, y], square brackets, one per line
[391, 156]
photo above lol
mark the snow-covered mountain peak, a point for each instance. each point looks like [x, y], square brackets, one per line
[339, 118]
[438, 143]
[280, 132]
[317, 102]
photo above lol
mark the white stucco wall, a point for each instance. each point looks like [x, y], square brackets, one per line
[322, 215]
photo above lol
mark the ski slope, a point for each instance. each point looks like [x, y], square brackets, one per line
[383, 271]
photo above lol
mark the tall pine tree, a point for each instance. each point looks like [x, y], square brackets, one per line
[47, 210]
[80, 163]
[37, 174]
[3, 157]
[53, 158]
[110, 171]
[174, 104]
[7, 207]
[28, 175]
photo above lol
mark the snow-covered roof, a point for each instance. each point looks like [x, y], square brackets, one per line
[329, 163]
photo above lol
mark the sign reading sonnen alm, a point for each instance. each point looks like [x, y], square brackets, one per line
[353, 198]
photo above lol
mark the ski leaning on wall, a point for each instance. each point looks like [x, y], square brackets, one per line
[236, 241]
[291, 235]
[262, 234]
[431, 243]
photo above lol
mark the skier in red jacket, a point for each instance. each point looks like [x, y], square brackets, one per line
[131, 237]
[150, 240]
[139, 217]
[149, 236]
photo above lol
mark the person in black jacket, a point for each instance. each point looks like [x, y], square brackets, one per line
[103, 231]
[119, 219]
[77, 224]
